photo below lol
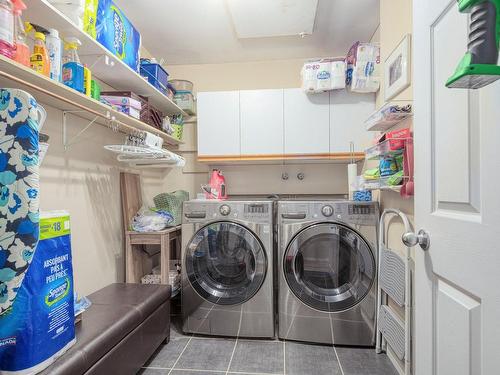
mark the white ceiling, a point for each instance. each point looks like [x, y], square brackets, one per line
[202, 31]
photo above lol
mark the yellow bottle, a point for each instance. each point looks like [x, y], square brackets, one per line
[39, 60]
[87, 81]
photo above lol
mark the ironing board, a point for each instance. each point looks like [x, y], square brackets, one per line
[19, 182]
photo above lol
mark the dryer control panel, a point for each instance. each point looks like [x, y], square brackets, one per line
[360, 213]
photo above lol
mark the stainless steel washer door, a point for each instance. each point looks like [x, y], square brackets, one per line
[329, 267]
[225, 263]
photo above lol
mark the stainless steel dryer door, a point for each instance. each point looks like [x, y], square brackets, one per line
[225, 263]
[329, 267]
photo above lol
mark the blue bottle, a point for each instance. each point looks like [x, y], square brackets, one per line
[72, 70]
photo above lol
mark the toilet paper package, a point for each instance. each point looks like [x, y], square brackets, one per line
[40, 325]
[323, 75]
[363, 67]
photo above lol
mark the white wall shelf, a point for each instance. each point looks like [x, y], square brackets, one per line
[57, 95]
[384, 118]
[112, 72]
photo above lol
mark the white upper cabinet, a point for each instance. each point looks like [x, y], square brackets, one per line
[307, 122]
[261, 120]
[273, 123]
[348, 112]
[219, 123]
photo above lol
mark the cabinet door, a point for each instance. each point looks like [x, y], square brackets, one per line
[348, 112]
[219, 123]
[261, 118]
[307, 122]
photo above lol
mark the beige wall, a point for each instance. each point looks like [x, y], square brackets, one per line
[395, 23]
[85, 181]
[263, 178]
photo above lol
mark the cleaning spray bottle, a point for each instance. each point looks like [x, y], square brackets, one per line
[39, 60]
[72, 71]
[54, 46]
[22, 50]
[7, 47]
[479, 67]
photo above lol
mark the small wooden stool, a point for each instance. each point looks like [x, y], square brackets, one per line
[138, 262]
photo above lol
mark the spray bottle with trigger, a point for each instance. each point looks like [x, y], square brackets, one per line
[478, 67]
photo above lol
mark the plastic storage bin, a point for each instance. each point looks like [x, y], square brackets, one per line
[156, 76]
[185, 101]
[182, 85]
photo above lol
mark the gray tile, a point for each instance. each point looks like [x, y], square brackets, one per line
[207, 354]
[166, 355]
[364, 361]
[153, 371]
[258, 357]
[304, 359]
[176, 331]
[202, 372]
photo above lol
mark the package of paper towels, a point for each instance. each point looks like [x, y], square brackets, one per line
[39, 324]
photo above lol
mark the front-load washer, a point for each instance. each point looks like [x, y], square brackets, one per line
[227, 272]
[327, 271]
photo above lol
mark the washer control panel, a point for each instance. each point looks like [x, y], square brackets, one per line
[203, 211]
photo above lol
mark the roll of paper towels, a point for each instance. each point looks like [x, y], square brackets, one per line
[352, 178]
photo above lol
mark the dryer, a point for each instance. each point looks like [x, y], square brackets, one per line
[327, 271]
[227, 273]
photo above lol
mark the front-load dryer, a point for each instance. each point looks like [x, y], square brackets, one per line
[327, 271]
[227, 273]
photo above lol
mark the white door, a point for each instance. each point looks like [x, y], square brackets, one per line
[348, 112]
[457, 150]
[219, 123]
[261, 117]
[307, 122]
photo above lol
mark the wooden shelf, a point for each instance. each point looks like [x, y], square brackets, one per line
[57, 95]
[120, 76]
[341, 157]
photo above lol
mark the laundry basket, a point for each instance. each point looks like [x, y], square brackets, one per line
[172, 202]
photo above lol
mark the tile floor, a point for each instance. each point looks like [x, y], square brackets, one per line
[194, 355]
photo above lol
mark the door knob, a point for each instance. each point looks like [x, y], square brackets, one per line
[411, 239]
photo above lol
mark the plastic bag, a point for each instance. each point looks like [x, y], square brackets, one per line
[151, 220]
[363, 67]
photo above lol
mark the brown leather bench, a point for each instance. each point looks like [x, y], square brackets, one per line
[119, 332]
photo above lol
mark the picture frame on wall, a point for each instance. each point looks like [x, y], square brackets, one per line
[397, 69]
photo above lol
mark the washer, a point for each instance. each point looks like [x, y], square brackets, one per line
[227, 273]
[327, 266]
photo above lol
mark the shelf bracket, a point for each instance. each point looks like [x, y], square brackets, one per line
[97, 58]
[68, 142]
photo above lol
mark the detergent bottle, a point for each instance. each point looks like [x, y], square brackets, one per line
[54, 46]
[72, 71]
[7, 47]
[87, 81]
[39, 60]
[22, 50]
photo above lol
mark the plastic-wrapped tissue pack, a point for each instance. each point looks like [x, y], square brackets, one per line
[363, 67]
[323, 75]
